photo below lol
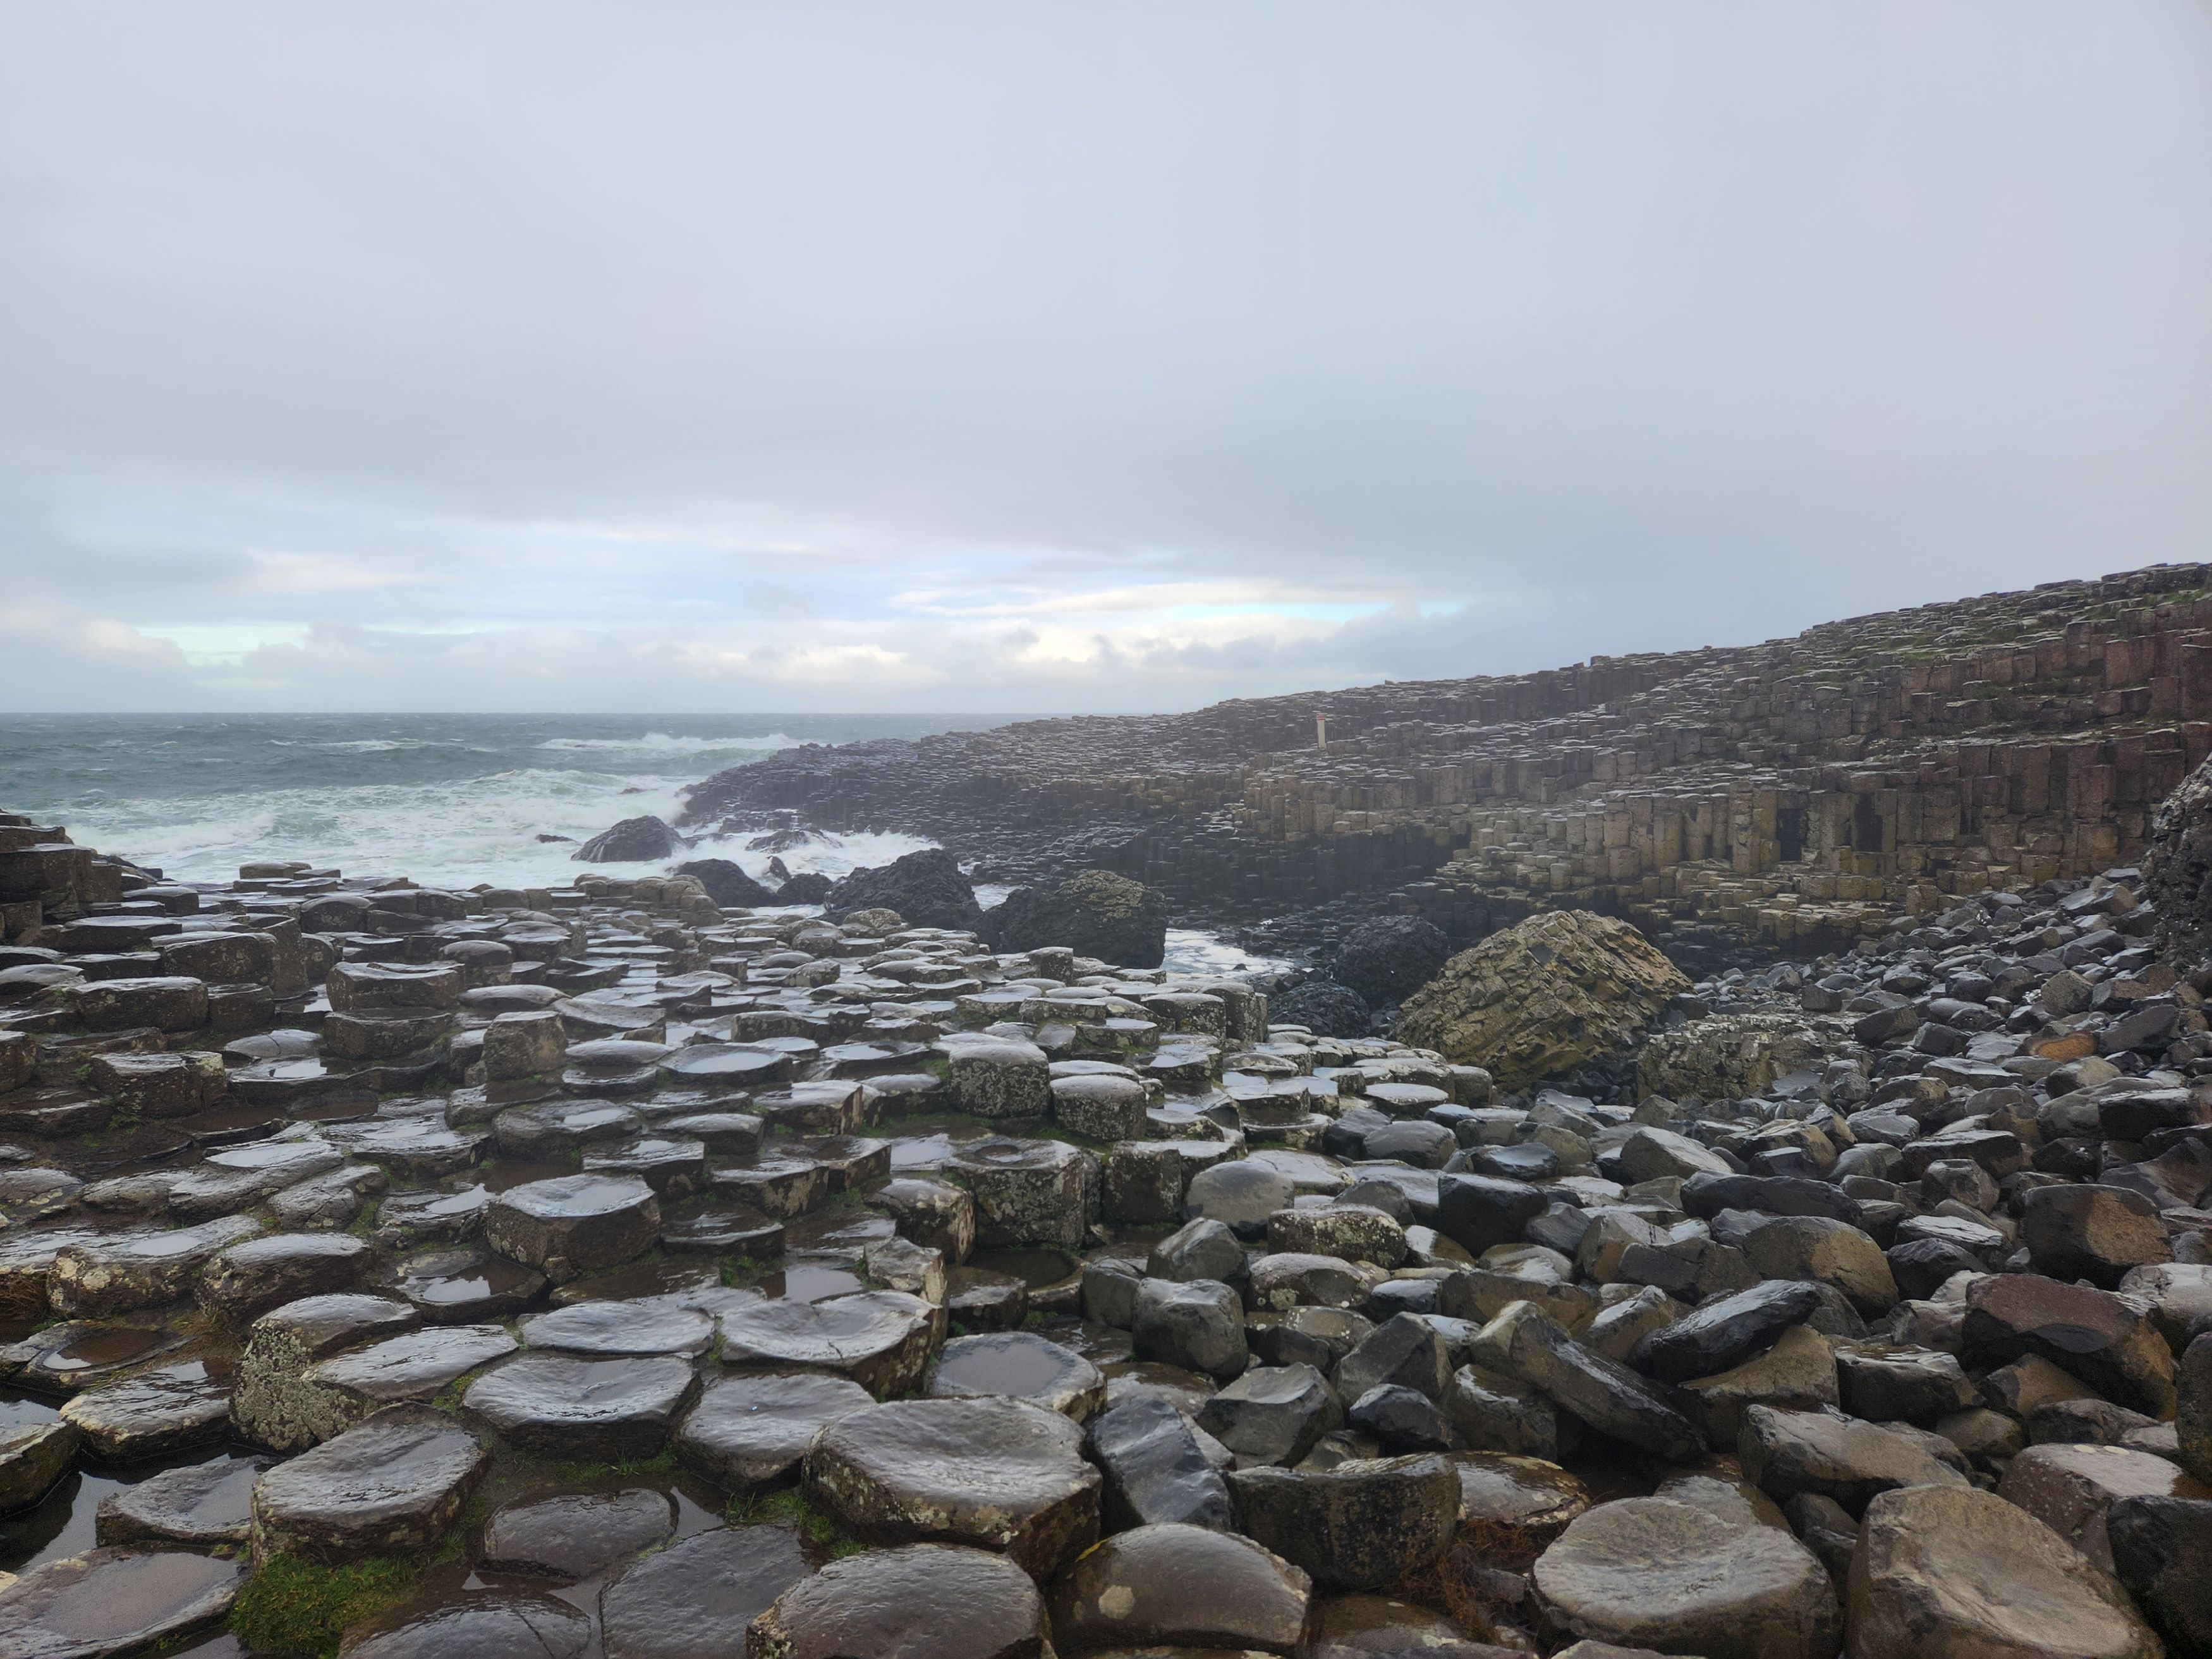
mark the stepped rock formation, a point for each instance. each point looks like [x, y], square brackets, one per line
[1796, 795]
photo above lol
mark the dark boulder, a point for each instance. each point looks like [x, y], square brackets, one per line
[725, 884]
[1323, 1006]
[1387, 959]
[1095, 912]
[634, 841]
[807, 887]
[926, 887]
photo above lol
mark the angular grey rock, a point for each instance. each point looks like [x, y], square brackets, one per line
[1610, 1397]
[1360, 1526]
[1272, 1415]
[1784, 1453]
[1156, 1471]
[1196, 1326]
[1945, 1570]
[1725, 1332]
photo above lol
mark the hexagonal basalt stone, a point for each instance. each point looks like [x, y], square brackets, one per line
[392, 1483]
[688, 1600]
[114, 1275]
[925, 1602]
[995, 1077]
[152, 1414]
[1001, 1473]
[466, 1285]
[752, 1428]
[333, 1394]
[1175, 1584]
[285, 1343]
[248, 1279]
[1018, 1365]
[34, 1457]
[572, 1535]
[373, 987]
[200, 1506]
[503, 1625]
[880, 1339]
[605, 1410]
[563, 1127]
[1099, 1107]
[108, 1603]
[1027, 1192]
[573, 1225]
[1359, 1526]
[616, 1329]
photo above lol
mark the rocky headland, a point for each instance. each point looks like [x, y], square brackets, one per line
[1774, 1219]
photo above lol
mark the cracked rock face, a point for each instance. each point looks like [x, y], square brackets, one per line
[922, 1601]
[1542, 997]
[1000, 1473]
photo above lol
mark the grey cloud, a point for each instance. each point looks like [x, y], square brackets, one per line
[673, 344]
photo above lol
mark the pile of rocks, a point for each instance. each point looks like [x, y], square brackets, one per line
[540, 1239]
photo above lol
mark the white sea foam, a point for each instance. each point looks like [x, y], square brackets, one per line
[660, 742]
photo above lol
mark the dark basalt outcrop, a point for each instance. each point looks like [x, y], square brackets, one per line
[634, 841]
[1095, 913]
[926, 887]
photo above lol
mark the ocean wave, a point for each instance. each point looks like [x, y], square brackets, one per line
[660, 742]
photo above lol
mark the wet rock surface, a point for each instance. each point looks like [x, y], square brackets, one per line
[632, 1205]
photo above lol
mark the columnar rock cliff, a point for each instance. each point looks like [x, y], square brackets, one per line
[1798, 793]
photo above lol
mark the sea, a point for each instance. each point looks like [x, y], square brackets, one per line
[447, 799]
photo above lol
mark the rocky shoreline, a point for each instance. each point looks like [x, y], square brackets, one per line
[619, 1269]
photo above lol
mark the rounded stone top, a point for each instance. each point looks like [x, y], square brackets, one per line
[577, 1197]
[1649, 1571]
[925, 1602]
[615, 1328]
[1003, 1152]
[976, 1446]
[1018, 1365]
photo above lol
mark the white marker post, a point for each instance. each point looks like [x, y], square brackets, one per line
[1320, 730]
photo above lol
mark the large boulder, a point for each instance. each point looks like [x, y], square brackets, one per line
[1387, 959]
[1095, 912]
[634, 841]
[2176, 867]
[1947, 1571]
[926, 887]
[1323, 1006]
[1542, 997]
[725, 882]
[1650, 1573]
[1732, 1056]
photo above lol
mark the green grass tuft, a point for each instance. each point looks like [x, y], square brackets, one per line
[292, 1609]
[788, 1507]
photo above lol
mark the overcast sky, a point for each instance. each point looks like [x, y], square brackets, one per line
[660, 357]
